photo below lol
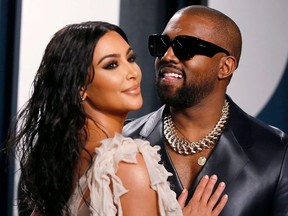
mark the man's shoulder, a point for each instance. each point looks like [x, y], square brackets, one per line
[249, 127]
[268, 134]
[133, 127]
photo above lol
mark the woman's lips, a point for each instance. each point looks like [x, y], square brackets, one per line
[135, 90]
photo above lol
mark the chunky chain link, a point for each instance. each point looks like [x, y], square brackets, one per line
[183, 146]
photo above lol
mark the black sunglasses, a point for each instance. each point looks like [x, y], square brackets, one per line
[184, 47]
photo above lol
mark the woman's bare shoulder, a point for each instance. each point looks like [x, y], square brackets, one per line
[140, 199]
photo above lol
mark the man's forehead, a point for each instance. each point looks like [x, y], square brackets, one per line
[189, 25]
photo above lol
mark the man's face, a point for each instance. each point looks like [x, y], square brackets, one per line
[184, 83]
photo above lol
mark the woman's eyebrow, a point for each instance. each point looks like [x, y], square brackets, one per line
[108, 56]
[114, 55]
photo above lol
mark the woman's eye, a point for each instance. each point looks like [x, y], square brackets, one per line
[111, 65]
[132, 58]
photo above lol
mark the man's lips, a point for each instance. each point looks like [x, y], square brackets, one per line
[170, 73]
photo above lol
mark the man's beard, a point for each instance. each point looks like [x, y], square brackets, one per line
[184, 97]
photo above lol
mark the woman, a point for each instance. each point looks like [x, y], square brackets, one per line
[74, 160]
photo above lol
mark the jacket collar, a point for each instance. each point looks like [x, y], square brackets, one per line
[153, 122]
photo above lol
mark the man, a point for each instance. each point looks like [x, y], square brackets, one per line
[200, 129]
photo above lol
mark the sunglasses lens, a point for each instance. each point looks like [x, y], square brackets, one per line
[158, 45]
[184, 47]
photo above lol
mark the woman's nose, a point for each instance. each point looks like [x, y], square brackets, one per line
[133, 71]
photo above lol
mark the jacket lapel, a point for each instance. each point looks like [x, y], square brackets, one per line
[227, 160]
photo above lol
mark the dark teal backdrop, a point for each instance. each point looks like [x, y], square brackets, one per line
[276, 110]
[9, 56]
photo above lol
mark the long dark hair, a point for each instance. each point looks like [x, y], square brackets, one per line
[46, 132]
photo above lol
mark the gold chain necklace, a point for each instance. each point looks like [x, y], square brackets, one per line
[183, 146]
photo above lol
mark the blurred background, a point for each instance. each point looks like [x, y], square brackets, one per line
[259, 86]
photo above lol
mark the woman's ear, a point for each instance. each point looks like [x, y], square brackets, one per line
[228, 65]
[83, 94]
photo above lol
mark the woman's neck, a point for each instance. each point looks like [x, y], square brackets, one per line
[97, 129]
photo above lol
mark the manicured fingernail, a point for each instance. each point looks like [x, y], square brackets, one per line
[214, 177]
[222, 184]
[225, 196]
[206, 177]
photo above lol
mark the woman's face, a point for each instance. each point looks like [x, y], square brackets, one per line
[115, 88]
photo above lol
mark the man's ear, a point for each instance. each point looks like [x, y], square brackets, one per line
[228, 65]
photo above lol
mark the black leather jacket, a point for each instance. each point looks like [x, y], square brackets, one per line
[250, 157]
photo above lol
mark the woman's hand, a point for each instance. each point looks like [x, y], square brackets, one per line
[203, 202]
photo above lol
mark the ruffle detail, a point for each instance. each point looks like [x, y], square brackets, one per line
[167, 201]
[102, 173]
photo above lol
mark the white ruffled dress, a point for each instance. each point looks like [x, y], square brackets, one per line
[102, 202]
